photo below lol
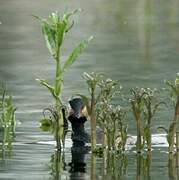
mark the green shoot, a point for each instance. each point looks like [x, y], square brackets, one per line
[92, 81]
[110, 118]
[55, 29]
[7, 120]
[174, 126]
[144, 107]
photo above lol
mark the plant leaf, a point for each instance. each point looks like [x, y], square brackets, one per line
[67, 15]
[76, 52]
[46, 125]
[49, 35]
[48, 86]
[61, 29]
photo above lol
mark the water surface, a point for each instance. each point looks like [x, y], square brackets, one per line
[136, 42]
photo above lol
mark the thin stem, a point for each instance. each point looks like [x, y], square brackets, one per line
[139, 142]
[175, 126]
[176, 119]
[93, 119]
[58, 89]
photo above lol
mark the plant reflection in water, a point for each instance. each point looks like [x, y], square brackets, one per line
[59, 169]
[57, 165]
[114, 165]
[173, 168]
[143, 166]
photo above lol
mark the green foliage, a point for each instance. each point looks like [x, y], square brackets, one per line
[173, 88]
[144, 106]
[92, 80]
[54, 29]
[174, 125]
[7, 120]
[50, 123]
[110, 118]
[46, 125]
[73, 56]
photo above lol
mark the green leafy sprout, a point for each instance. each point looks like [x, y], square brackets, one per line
[7, 120]
[55, 29]
[144, 107]
[174, 125]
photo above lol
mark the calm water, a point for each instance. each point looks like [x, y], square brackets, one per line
[136, 41]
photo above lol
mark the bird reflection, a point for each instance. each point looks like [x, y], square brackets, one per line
[78, 165]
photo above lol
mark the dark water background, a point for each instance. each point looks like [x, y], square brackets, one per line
[136, 42]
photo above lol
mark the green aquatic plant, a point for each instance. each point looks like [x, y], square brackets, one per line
[151, 106]
[7, 120]
[111, 118]
[92, 80]
[50, 124]
[138, 108]
[144, 107]
[55, 29]
[173, 131]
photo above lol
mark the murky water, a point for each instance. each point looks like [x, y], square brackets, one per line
[136, 41]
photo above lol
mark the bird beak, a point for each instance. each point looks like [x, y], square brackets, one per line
[78, 113]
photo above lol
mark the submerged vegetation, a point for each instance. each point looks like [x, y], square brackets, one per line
[55, 29]
[7, 121]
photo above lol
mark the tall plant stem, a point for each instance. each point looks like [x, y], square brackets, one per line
[105, 139]
[137, 115]
[149, 138]
[175, 127]
[176, 119]
[93, 120]
[58, 89]
[139, 141]
[177, 153]
[58, 80]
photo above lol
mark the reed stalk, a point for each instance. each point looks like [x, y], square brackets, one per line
[174, 126]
